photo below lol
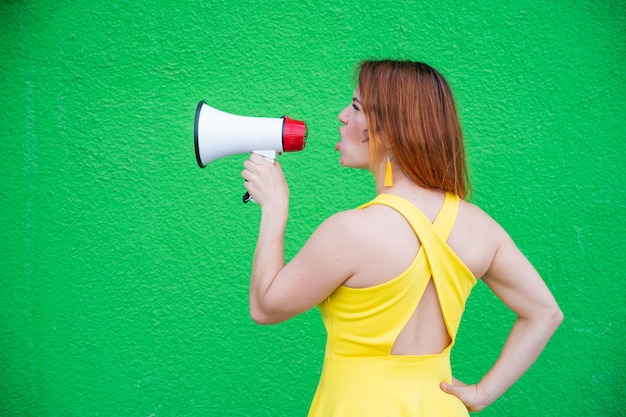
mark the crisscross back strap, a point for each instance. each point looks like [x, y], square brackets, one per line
[453, 280]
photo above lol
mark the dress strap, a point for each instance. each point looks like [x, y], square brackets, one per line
[453, 280]
[443, 222]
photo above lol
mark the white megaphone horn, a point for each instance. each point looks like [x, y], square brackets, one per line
[218, 134]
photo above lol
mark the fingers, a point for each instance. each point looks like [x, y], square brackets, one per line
[452, 387]
[264, 179]
[447, 388]
[455, 388]
[255, 165]
[254, 162]
[258, 159]
[468, 394]
[457, 382]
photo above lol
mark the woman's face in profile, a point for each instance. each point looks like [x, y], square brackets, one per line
[354, 144]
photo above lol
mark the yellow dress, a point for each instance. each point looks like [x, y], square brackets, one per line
[361, 378]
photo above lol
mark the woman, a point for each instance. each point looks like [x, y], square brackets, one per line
[391, 278]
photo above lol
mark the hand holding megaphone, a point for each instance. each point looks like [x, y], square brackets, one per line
[269, 156]
[218, 134]
[265, 181]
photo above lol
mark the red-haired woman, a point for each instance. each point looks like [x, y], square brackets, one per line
[391, 277]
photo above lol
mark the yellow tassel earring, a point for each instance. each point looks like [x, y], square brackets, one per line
[388, 173]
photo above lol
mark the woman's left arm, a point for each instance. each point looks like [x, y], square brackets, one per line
[516, 282]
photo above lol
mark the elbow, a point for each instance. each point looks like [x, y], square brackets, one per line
[552, 319]
[557, 317]
[268, 310]
[259, 316]
[546, 321]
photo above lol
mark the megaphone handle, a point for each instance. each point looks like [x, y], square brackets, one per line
[270, 156]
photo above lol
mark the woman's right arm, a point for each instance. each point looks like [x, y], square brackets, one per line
[279, 291]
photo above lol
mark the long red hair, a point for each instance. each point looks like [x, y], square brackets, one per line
[411, 114]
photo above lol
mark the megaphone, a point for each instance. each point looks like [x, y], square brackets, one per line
[218, 134]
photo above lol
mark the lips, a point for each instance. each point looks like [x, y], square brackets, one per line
[337, 146]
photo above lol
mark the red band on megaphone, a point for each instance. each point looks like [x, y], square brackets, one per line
[295, 134]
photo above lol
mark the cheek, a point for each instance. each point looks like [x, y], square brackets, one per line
[365, 153]
[359, 132]
[362, 127]
[361, 153]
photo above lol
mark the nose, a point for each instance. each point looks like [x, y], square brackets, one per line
[343, 115]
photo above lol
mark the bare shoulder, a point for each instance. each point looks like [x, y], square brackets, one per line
[335, 249]
[476, 237]
[348, 221]
[350, 226]
[368, 230]
[471, 216]
[372, 244]
[337, 233]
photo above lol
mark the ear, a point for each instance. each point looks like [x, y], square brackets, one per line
[366, 136]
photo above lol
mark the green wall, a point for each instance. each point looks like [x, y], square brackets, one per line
[124, 266]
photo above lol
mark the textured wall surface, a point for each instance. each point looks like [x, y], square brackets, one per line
[124, 266]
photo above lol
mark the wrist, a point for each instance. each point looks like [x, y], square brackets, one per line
[275, 210]
[485, 395]
[276, 216]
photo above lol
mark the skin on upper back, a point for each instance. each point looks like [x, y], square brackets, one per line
[386, 244]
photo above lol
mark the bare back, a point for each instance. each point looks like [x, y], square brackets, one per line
[387, 245]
